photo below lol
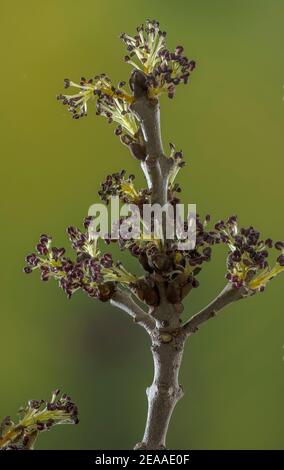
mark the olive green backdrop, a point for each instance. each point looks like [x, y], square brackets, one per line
[229, 122]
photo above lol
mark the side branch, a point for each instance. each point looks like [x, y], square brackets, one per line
[126, 303]
[226, 297]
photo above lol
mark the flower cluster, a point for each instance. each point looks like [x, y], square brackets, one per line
[179, 269]
[247, 263]
[179, 277]
[188, 264]
[111, 102]
[117, 184]
[95, 273]
[164, 69]
[36, 417]
[178, 163]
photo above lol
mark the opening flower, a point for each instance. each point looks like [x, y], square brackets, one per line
[248, 260]
[95, 273]
[112, 102]
[147, 52]
[36, 417]
[117, 184]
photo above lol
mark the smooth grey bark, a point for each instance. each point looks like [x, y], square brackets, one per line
[167, 350]
[167, 346]
[156, 166]
[125, 302]
[163, 394]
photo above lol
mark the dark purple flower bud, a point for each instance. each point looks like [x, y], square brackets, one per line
[44, 274]
[27, 269]
[106, 260]
[280, 260]
[279, 245]
[269, 243]
[220, 225]
[44, 239]
[179, 50]
[54, 252]
[40, 426]
[195, 283]
[69, 293]
[232, 220]
[66, 83]
[185, 78]
[34, 404]
[51, 406]
[235, 256]
[72, 232]
[87, 221]
[118, 130]
[60, 252]
[135, 250]
[41, 248]
[32, 259]
[178, 155]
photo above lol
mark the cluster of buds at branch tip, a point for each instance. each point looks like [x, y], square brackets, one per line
[111, 102]
[36, 417]
[117, 184]
[95, 273]
[163, 69]
[248, 260]
[178, 270]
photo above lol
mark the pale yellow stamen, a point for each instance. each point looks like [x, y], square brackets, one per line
[262, 279]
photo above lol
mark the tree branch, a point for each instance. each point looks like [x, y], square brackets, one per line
[228, 295]
[163, 394]
[157, 166]
[126, 303]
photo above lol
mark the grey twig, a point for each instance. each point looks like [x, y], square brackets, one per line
[164, 393]
[156, 166]
[228, 295]
[125, 302]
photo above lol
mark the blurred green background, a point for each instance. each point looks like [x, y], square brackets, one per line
[229, 122]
